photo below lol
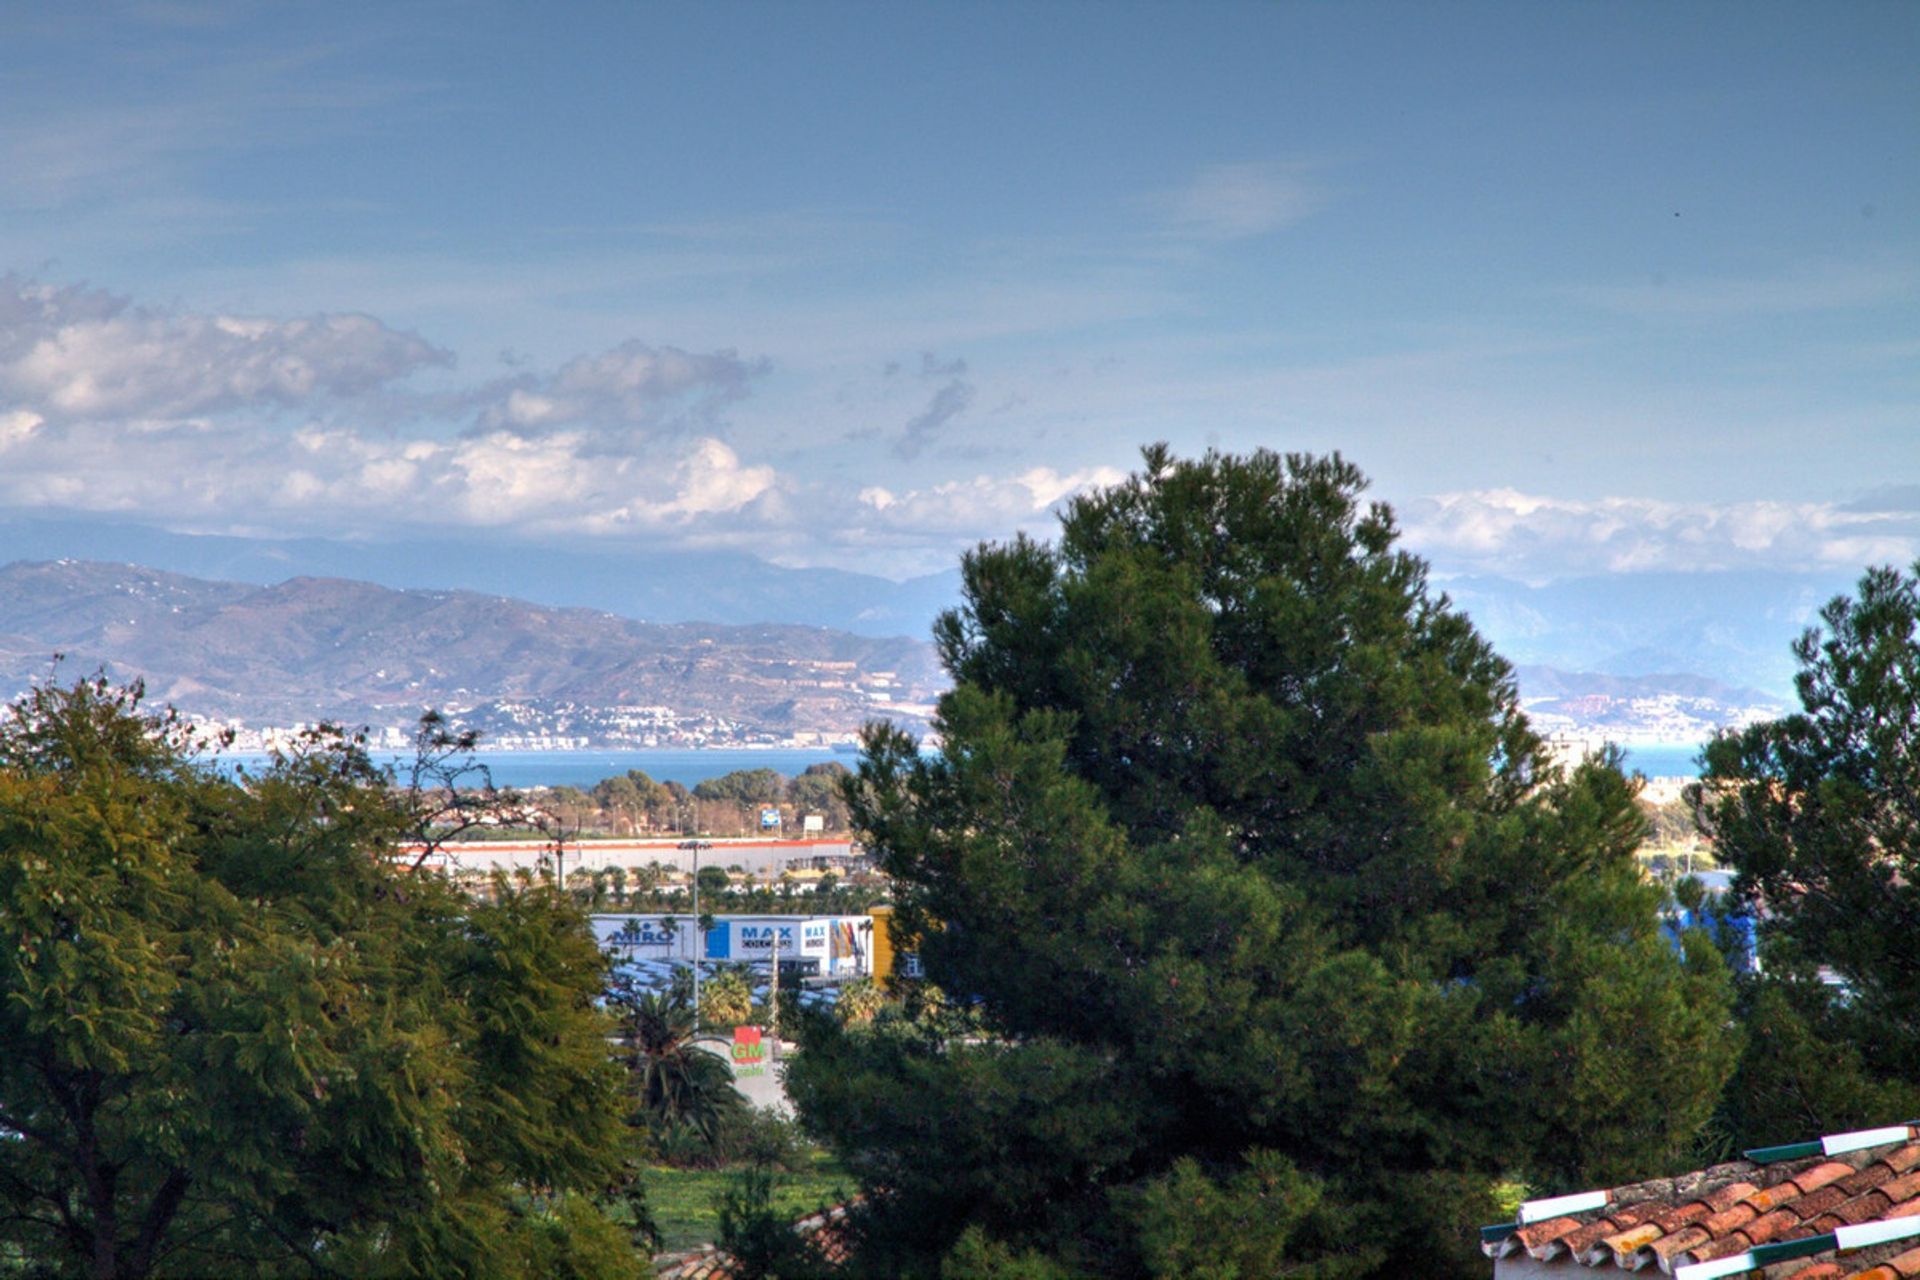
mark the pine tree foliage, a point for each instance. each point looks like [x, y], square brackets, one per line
[1820, 814]
[238, 1040]
[1239, 847]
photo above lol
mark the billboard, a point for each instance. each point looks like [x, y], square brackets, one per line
[753, 937]
[839, 942]
[749, 1052]
[645, 937]
[839, 945]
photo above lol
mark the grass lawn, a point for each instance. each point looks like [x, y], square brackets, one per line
[685, 1201]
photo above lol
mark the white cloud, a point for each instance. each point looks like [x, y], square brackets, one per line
[75, 354]
[711, 481]
[189, 419]
[982, 507]
[1528, 536]
[1234, 201]
[18, 425]
[631, 385]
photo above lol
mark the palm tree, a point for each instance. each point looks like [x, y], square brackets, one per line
[675, 1083]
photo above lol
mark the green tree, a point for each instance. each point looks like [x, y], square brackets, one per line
[760, 1240]
[676, 1083]
[634, 800]
[743, 786]
[726, 1000]
[820, 789]
[1240, 849]
[1819, 812]
[860, 1000]
[240, 1040]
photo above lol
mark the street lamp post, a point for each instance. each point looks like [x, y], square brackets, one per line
[699, 934]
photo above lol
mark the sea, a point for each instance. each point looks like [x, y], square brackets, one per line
[1665, 759]
[690, 766]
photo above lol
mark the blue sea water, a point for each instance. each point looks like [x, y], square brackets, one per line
[1665, 759]
[687, 766]
[690, 766]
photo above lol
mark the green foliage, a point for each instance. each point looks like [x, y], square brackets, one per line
[860, 1000]
[685, 1200]
[764, 1138]
[976, 1257]
[1818, 813]
[241, 1041]
[1671, 822]
[761, 1237]
[1237, 842]
[572, 1239]
[819, 789]
[726, 1000]
[679, 1088]
[743, 786]
[1245, 1226]
[1804, 1071]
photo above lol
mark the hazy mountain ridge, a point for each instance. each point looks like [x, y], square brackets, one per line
[1732, 627]
[312, 648]
[727, 587]
[1736, 628]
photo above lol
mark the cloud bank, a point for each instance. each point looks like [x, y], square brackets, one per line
[1537, 538]
[242, 424]
[77, 354]
[318, 424]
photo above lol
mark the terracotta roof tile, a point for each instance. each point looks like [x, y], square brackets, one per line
[1543, 1233]
[1867, 1179]
[1906, 1265]
[1847, 1181]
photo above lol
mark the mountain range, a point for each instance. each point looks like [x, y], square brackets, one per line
[541, 642]
[1731, 627]
[308, 649]
[681, 586]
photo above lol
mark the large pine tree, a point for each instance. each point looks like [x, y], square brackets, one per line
[1282, 938]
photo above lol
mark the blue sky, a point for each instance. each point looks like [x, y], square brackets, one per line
[1585, 288]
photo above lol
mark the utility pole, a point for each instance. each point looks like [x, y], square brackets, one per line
[699, 934]
[773, 998]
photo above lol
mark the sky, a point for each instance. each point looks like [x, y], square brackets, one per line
[1584, 288]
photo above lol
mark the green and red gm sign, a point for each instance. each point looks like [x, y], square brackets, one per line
[749, 1052]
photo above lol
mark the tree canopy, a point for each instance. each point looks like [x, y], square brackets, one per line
[1819, 812]
[1278, 936]
[743, 786]
[239, 1040]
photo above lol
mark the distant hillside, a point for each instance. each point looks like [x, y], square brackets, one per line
[1552, 682]
[313, 648]
[1673, 707]
[728, 587]
[1734, 627]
